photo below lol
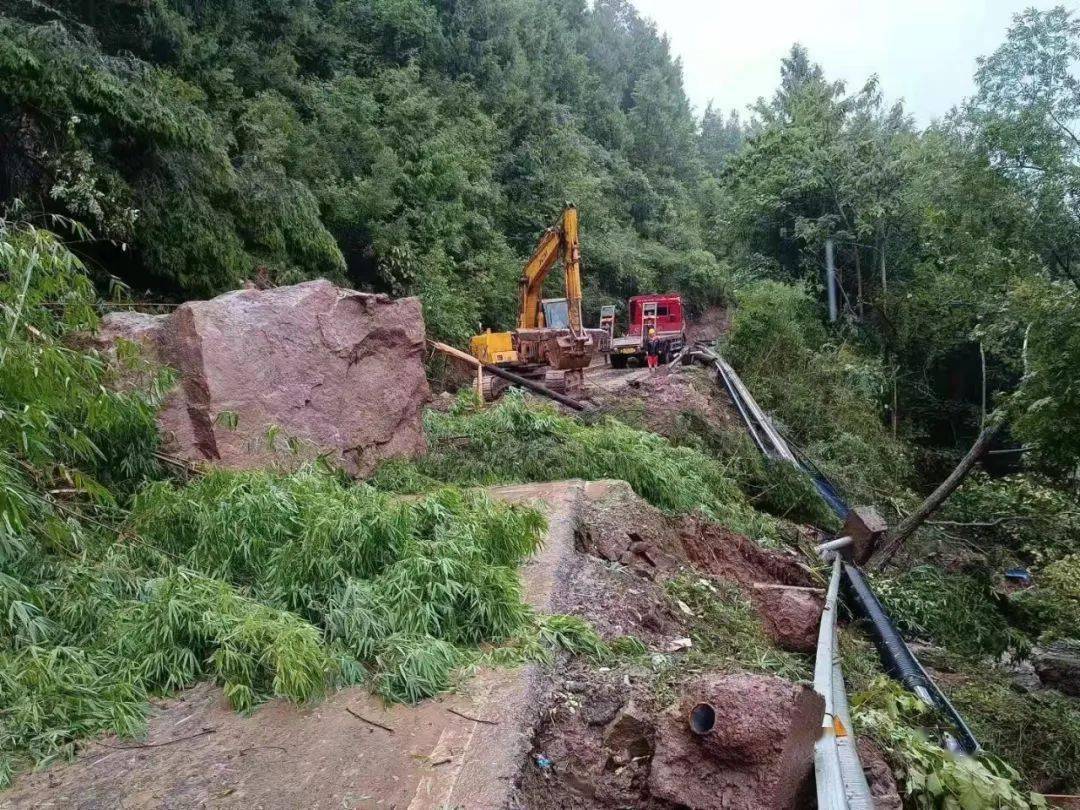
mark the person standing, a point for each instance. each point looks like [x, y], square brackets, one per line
[652, 350]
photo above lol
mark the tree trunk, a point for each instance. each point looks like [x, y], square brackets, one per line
[982, 364]
[858, 281]
[895, 541]
[895, 403]
[884, 280]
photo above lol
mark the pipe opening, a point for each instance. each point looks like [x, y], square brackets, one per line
[702, 718]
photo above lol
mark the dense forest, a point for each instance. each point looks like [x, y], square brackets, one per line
[413, 146]
[169, 149]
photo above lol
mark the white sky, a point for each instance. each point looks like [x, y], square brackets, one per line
[923, 50]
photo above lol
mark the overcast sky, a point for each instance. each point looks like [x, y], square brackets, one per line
[923, 50]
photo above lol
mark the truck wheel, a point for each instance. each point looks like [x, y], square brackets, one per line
[618, 361]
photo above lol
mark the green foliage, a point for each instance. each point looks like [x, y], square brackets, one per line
[726, 630]
[271, 585]
[187, 627]
[517, 441]
[51, 696]
[1039, 733]
[1024, 112]
[65, 426]
[411, 668]
[933, 778]
[1051, 609]
[61, 410]
[401, 145]
[827, 396]
[1027, 513]
[362, 564]
[954, 610]
[774, 487]
[115, 585]
[1045, 406]
[575, 635]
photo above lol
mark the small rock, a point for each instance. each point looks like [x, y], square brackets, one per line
[1023, 676]
[791, 617]
[601, 704]
[677, 644]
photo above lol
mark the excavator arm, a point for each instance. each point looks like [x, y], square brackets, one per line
[558, 242]
[565, 346]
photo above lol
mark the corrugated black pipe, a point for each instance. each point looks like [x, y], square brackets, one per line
[897, 658]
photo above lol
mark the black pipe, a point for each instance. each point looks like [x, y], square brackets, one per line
[897, 657]
[895, 654]
[533, 385]
[741, 408]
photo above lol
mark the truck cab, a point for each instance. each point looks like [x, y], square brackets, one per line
[662, 312]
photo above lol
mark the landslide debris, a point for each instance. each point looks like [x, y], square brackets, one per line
[757, 754]
[615, 735]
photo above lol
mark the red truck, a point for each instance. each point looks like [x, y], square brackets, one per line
[664, 313]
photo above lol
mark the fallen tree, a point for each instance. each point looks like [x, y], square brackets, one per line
[896, 539]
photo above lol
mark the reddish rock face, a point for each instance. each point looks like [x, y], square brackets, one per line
[306, 369]
[791, 616]
[759, 755]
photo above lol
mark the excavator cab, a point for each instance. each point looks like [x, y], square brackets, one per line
[556, 313]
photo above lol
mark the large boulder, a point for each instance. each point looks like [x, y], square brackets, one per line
[758, 754]
[272, 377]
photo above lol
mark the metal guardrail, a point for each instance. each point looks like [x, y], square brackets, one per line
[841, 784]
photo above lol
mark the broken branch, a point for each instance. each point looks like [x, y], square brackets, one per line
[474, 719]
[363, 719]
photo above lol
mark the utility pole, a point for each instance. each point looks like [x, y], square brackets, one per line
[830, 278]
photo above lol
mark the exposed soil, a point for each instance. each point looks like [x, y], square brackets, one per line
[710, 325]
[596, 743]
[655, 400]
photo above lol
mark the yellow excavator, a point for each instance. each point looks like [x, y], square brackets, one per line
[550, 333]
